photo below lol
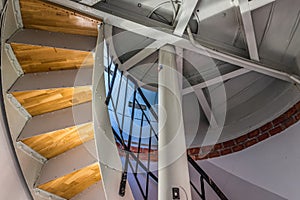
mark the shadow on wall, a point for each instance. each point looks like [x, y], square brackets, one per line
[11, 185]
[234, 187]
[271, 166]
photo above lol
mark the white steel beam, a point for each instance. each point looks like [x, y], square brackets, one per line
[90, 2]
[107, 151]
[254, 4]
[179, 64]
[208, 9]
[172, 159]
[150, 49]
[214, 81]
[166, 35]
[206, 108]
[44, 80]
[57, 120]
[249, 29]
[185, 13]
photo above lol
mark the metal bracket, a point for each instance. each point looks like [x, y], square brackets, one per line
[90, 2]
[17, 13]
[13, 59]
[32, 153]
[18, 106]
[47, 195]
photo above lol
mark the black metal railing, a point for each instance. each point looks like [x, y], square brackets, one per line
[133, 162]
[204, 177]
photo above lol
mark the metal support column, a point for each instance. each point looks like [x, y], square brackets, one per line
[173, 174]
[108, 155]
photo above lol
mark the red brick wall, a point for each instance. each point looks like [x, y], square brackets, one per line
[245, 141]
[238, 144]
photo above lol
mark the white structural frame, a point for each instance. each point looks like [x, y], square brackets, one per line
[222, 6]
[214, 81]
[141, 55]
[249, 29]
[172, 157]
[168, 37]
[255, 4]
[185, 13]
[107, 152]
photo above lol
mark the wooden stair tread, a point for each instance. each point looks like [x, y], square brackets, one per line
[43, 59]
[37, 14]
[52, 144]
[38, 102]
[72, 184]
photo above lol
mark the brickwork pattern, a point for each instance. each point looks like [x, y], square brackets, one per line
[268, 130]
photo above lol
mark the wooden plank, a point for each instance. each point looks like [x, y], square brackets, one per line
[38, 102]
[54, 143]
[72, 184]
[43, 59]
[44, 16]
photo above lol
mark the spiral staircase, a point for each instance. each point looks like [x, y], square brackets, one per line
[49, 57]
[47, 138]
[48, 60]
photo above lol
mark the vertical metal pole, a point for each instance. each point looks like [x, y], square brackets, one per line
[107, 152]
[140, 140]
[109, 63]
[172, 159]
[124, 175]
[111, 85]
[124, 107]
[132, 119]
[119, 88]
[148, 164]
[202, 188]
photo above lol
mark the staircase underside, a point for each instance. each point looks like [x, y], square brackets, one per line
[60, 174]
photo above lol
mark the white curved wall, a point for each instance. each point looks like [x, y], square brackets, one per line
[11, 185]
[272, 165]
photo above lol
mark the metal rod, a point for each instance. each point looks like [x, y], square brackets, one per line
[122, 188]
[140, 140]
[129, 143]
[119, 88]
[124, 105]
[132, 119]
[147, 103]
[108, 67]
[117, 119]
[147, 119]
[196, 190]
[154, 177]
[138, 24]
[202, 188]
[148, 164]
[112, 85]
[138, 182]
[255, 66]
[210, 182]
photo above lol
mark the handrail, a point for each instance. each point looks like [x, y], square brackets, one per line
[210, 182]
[127, 144]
